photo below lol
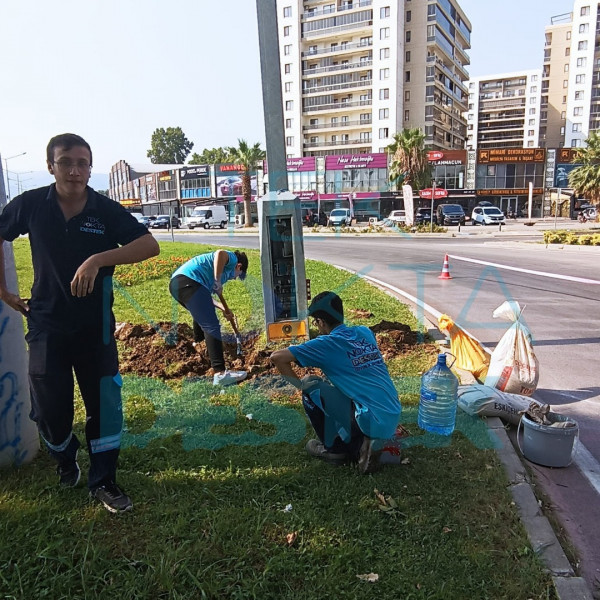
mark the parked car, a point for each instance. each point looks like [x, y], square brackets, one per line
[487, 215]
[397, 217]
[422, 215]
[340, 217]
[450, 214]
[162, 222]
[208, 216]
[142, 219]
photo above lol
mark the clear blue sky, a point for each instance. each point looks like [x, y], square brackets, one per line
[115, 70]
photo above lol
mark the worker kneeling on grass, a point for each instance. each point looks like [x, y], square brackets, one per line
[358, 407]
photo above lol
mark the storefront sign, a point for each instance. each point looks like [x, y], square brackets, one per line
[508, 192]
[447, 157]
[130, 202]
[229, 168]
[307, 163]
[566, 155]
[356, 161]
[306, 195]
[201, 171]
[511, 155]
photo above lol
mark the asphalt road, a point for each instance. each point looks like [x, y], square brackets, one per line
[560, 290]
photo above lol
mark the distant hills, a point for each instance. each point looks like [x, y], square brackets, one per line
[30, 181]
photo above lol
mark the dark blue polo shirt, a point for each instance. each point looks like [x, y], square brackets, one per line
[58, 248]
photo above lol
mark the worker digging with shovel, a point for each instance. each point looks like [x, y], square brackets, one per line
[193, 285]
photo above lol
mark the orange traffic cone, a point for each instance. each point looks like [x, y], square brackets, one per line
[445, 274]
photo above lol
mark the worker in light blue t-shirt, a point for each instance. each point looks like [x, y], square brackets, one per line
[359, 406]
[193, 285]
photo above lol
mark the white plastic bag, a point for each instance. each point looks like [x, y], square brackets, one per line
[514, 368]
[485, 401]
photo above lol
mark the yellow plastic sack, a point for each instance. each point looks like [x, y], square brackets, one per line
[469, 354]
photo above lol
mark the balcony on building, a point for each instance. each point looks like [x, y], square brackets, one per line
[340, 48]
[329, 10]
[350, 143]
[355, 65]
[365, 24]
[337, 106]
[353, 124]
[336, 87]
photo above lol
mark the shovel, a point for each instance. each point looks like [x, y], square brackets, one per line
[238, 337]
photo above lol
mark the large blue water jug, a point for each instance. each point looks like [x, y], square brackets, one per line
[437, 405]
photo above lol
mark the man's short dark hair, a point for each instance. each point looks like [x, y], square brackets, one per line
[66, 141]
[243, 262]
[328, 307]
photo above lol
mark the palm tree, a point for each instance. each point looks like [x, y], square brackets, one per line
[585, 180]
[409, 164]
[248, 157]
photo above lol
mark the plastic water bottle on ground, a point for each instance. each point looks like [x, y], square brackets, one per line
[437, 405]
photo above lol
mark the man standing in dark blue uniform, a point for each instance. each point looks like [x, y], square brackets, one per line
[77, 236]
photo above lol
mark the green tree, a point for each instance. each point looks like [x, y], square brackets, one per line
[211, 156]
[169, 146]
[249, 157]
[409, 165]
[585, 180]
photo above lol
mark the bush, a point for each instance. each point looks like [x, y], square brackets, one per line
[562, 236]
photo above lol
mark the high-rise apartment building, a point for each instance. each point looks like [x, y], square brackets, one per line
[504, 110]
[354, 72]
[571, 77]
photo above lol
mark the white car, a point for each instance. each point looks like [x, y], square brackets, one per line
[397, 216]
[487, 215]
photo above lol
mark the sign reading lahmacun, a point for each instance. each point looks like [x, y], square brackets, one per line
[356, 161]
[447, 157]
[511, 155]
[194, 172]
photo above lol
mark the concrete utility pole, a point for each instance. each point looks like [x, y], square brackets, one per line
[19, 441]
[271, 85]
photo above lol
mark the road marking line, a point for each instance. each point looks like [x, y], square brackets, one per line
[541, 273]
[586, 463]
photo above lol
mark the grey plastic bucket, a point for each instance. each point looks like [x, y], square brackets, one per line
[548, 446]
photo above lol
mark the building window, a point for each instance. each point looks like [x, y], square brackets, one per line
[579, 95]
[288, 68]
[407, 56]
[365, 41]
[312, 49]
[569, 34]
[585, 11]
[566, 69]
[576, 127]
[384, 113]
[384, 53]
[534, 78]
[406, 95]
[384, 33]
[286, 30]
[533, 100]
[568, 51]
[531, 122]
[584, 28]
[384, 12]
[407, 76]
[530, 132]
[575, 143]
[384, 73]
[533, 89]
[384, 94]
[580, 78]
[564, 100]
[578, 111]
[365, 136]
[288, 123]
[287, 11]
[289, 140]
[563, 115]
[408, 16]
[288, 86]
[384, 133]
[407, 36]
[582, 62]
[532, 111]
[530, 144]
[287, 49]
[565, 83]
[407, 115]
[289, 105]
[562, 130]
[582, 45]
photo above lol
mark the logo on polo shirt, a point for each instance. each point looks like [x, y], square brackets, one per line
[92, 225]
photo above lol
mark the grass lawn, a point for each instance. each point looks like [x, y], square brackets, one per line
[227, 506]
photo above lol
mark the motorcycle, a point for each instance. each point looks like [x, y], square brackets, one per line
[587, 213]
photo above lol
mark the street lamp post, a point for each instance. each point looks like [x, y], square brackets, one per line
[7, 177]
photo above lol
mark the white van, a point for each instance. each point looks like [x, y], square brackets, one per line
[208, 216]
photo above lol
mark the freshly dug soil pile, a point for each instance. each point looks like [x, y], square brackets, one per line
[167, 352]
